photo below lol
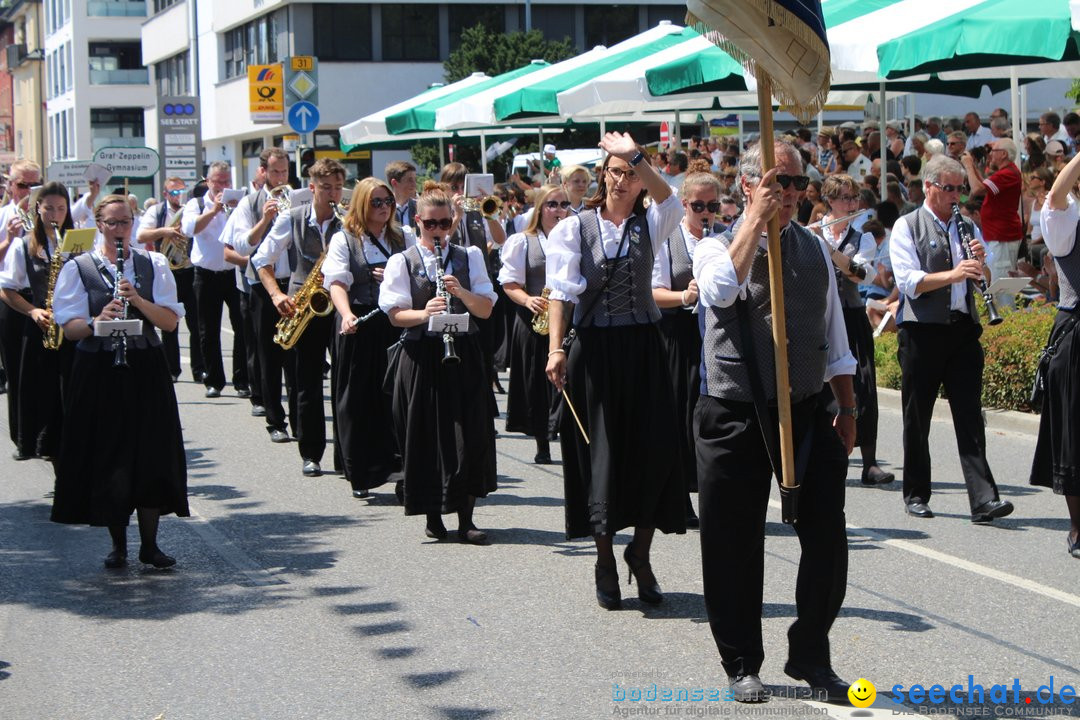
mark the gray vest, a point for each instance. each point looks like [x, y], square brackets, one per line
[627, 298]
[849, 291]
[99, 294]
[535, 266]
[471, 232]
[306, 246]
[680, 266]
[806, 286]
[934, 250]
[423, 287]
[364, 290]
[1068, 269]
[255, 204]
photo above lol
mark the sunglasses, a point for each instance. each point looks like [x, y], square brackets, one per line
[846, 198]
[22, 185]
[799, 181]
[443, 224]
[617, 174]
[379, 202]
[950, 188]
[174, 193]
[698, 206]
[113, 224]
[556, 204]
[728, 218]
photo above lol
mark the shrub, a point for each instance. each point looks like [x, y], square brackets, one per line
[1012, 351]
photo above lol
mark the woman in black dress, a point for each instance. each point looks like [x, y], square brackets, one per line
[530, 402]
[42, 372]
[616, 375]
[353, 271]
[445, 428]
[109, 469]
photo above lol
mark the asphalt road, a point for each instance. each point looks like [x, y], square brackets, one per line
[291, 599]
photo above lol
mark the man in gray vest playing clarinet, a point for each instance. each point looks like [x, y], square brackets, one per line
[738, 407]
[938, 337]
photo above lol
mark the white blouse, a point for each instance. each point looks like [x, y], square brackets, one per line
[396, 290]
[515, 258]
[13, 276]
[70, 299]
[661, 273]
[336, 265]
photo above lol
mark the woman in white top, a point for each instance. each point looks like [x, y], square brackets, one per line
[1039, 183]
[616, 375]
[530, 403]
[24, 285]
[353, 271]
[444, 425]
[575, 183]
[108, 470]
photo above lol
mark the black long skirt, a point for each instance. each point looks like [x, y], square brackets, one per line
[444, 422]
[42, 382]
[122, 446]
[11, 332]
[1057, 451]
[627, 476]
[530, 403]
[861, 342]
[682, 339]
[365, 424]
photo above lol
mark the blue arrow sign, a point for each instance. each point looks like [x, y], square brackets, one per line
[303, 117]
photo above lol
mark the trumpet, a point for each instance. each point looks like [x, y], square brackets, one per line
[485, 206]
[339, 211]
[26, 219]
[281, 195]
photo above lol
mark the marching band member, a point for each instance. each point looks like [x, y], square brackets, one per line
[530, 403]
[204, 220]
[25, 285]
[155, 227]
[676, 293]
[575, 181]
[841, 196]
[304, 232]
[616, 372]
[738, 407]
[82, 211]
[447, 436]
[108, 470]
[353, 271]
[401, 176]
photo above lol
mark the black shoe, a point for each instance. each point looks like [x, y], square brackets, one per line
[874, 475]
[472, 536]
[199, 376]
[279, 436]
[213, 392]
[499, 387]
[691, 516]
[155, 557]
[243, 392]
[20, 455]
[435, 528]
[361, 494]
[918, 509]
[175, 379]
[986, 512]
[258, 411]
[116, 559]
[399, 491]
[748, 689]
[819, 678]
[648, 589]
[1074, 546]
[607, 587]
[542, 458]
[311, 469]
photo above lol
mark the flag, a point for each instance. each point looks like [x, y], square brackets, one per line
[785, 38]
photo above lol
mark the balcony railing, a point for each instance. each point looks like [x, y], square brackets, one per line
[100, 142]
[116, 8]
[137, 76]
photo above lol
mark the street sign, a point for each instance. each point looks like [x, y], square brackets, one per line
[303, 117]
[266, 100]
[129, 162]
[180, 138]
[665, 137]
[71, 173]
[301, 80]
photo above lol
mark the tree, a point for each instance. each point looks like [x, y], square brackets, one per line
[482, 50]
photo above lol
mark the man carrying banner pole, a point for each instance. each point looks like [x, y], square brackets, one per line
[746, 389]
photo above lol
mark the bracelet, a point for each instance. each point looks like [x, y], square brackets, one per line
[636, 160]
[849, 411]
[556, 350]
[682, 297]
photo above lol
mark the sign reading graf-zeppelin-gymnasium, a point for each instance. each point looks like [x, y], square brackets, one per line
[180, 139]
[129, 162]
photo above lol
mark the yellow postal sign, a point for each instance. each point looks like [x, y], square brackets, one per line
[266, 96]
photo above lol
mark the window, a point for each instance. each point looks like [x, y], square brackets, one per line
[410, 32]
[556, 22]
[675, 13]
[117, 63]
[160, 5]
[462, 17]
[609, 24]
[343, 32]
[254, 43]
[71, 68]
[117, 126]
[115, 8]
[171, 75]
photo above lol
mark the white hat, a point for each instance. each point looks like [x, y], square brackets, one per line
[549, 149]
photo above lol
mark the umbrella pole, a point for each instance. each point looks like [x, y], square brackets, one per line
[882, 116]
[483, 153]
[788, 487]
[1014, 104]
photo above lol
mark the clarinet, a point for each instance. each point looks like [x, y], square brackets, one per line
[120, 358]
[450, 356]
[966, 237]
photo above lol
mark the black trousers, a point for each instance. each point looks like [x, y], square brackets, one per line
[931, 356]
[273, 360]
[734, 482]
[251, 355]
[213, 290]
[185, 293]
[310, 357]
[11, 335]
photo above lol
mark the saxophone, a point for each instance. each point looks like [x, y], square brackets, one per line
[55, 334]
[310, 300]
[540, 319]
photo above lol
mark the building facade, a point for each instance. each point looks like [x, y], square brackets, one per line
[24, 62]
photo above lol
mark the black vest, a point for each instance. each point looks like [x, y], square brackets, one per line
[1068, 267]
[99, 294]
[423, 287]
[306, 246]
[37, 273]
[627, 297]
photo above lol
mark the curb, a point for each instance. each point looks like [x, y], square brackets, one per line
[1000, 420]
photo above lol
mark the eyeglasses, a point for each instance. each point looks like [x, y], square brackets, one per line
[113, 224]
[22, 185]
[379, 202]
[800, 181]
[617, 174]
[556, 204]
[957, 142]
[698, 206]
[443, 224]
[950, 188]
[174, 193]
[728, 218]
[846, 198]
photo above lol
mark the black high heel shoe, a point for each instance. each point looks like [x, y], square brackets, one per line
[435, 528]
[154, 556]
[648, 588]
[607, 587]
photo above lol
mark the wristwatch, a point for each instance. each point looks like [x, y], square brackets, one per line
[853, 412]
[636, 160]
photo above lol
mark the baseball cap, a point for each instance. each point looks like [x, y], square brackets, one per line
[1054, 147]
[549, 149]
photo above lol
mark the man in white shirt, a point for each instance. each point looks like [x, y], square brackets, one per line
[978, 134]
[858, 165]
[82, 210]
[215, 287]
[24, 175]
[1051, 129]
[401, 177]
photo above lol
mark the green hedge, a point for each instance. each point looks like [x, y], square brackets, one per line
[1012, 352]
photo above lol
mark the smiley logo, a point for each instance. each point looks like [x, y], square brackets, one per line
[862, 693]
